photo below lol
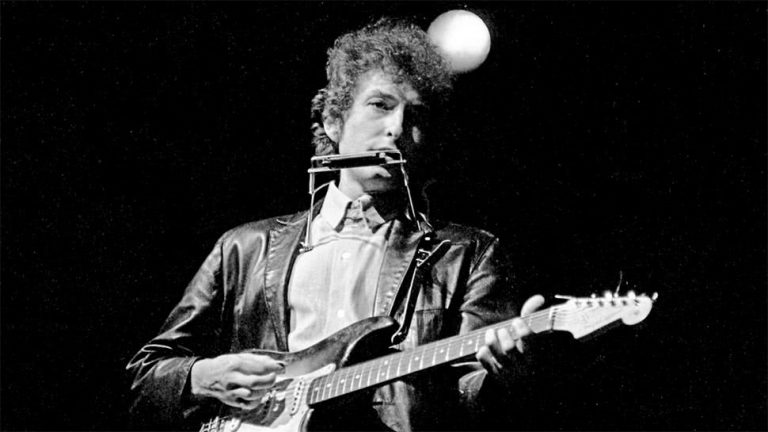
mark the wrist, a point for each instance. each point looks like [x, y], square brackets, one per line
[196, 378]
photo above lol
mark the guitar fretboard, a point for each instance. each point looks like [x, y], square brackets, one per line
[388, 368]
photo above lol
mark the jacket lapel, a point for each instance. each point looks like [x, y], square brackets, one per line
[283, 248]
[403, 242]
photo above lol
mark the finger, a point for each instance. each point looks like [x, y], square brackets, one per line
[242, 404]
[487, 360]
[493, 343]
[258, 364]
[532, 304]
[506, 341]
[258, 381]
[248, 393]
[242, 393]
[522, 330]
[241, 398]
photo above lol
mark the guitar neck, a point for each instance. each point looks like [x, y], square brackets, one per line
[391, 367]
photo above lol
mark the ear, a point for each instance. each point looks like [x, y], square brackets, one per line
[332, 129]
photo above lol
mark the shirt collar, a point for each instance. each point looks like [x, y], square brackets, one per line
[336, 203]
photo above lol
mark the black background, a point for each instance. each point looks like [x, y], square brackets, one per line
[596, 138]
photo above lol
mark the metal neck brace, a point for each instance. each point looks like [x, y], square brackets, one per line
[333, 163]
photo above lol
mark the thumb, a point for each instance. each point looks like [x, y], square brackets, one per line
[532, 304]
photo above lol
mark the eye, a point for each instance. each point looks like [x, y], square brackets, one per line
[379, 104]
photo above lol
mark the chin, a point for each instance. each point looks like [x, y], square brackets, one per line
[381, 184]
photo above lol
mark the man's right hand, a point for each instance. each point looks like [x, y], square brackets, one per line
[232, 378]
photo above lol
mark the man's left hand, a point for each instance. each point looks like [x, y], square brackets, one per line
[502, 347]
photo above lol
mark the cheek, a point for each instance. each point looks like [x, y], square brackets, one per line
[356, 134]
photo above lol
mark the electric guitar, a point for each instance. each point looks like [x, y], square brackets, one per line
[321, 373]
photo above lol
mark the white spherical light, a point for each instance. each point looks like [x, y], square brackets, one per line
[462, 37]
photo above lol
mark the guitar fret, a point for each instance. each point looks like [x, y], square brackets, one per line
[369, 378]
[385, 372]
[326, 388]
[321, 387]
[314, 394]
[454, 347]
[317, 391]
[357, 376]
[345, 380]
[333, 381]
[342, 380]
[350, 378]
[382, 372]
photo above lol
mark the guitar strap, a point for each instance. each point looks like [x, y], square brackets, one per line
[428, 252]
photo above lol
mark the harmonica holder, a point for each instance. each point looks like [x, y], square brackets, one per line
[335, 163]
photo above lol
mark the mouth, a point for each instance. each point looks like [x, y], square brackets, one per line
[387, 152]
[391, 154]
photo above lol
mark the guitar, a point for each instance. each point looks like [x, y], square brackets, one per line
[315, 375]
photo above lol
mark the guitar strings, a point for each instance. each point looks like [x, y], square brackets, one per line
[383, 365]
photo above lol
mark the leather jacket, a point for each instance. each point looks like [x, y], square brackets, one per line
[237, 301]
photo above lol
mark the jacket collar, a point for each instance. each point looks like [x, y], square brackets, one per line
[284, 243]
[401, 248]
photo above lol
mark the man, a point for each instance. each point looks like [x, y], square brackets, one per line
[259, 288]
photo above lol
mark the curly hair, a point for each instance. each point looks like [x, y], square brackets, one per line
[396, 47]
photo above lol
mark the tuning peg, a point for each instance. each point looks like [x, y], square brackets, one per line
[594, 295]
[564, 297]
[631, 294]
[654, 296]
[607, 294]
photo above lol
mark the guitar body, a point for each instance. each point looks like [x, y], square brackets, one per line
[284, 406]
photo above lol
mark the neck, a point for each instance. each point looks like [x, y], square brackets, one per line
[390, 199]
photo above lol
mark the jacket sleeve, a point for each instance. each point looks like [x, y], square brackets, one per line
[493, 293]
[160, 395]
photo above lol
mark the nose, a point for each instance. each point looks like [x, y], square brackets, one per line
[395, 123]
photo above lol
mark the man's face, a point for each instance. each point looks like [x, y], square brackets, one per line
[384, 116]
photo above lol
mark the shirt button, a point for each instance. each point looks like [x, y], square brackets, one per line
[340, 313]
[345, 256]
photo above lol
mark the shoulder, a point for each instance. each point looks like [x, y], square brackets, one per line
[475, 243]
[261, 228]
[464, 234]
[479, 248]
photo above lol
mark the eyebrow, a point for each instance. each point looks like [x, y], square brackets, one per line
[381, 93]
[389, 95]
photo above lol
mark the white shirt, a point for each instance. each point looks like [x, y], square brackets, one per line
[334, 284]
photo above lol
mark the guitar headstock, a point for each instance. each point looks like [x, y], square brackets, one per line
[582, 316]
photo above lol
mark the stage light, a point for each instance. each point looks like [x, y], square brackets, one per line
[462, 37]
